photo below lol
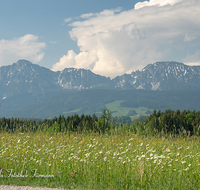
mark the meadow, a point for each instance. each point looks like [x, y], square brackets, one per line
[119, 110]
[120, 159]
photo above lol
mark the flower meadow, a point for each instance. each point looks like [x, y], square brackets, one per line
[92, 161]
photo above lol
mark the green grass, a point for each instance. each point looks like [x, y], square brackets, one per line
[121, 160]
[119, 110]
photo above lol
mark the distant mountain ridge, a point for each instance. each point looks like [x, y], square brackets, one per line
[161, 76]
[25, 77]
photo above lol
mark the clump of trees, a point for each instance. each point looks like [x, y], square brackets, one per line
[16, 124]
[60, 124]
[174, 122]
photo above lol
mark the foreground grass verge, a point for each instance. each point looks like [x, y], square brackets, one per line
[90, 161]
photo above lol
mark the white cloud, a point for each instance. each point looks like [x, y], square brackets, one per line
[69, 59]
[156, 2]
[112, 42]
[67, 19]
[188, 38]
[193, 63]
[25, 47]
[87, 15]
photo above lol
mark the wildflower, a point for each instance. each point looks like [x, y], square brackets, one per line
[87, 155]
[155, 156]
[183, 162]
[167, 150]
[161, 156]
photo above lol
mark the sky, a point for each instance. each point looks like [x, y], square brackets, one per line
[109, 37]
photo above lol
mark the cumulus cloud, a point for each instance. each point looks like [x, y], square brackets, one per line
[113, 42]
[156, 2]
[69, 59]
[25, 47]
[193, 63]
[88, 15]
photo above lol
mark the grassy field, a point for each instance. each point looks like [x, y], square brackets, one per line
[72, 111]
[118, 110]
[120, 160]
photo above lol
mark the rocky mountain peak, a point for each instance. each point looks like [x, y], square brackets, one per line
[25, 77]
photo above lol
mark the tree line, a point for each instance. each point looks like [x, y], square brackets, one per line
[60, 124]
[158, 122]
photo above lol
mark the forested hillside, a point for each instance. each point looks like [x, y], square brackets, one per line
[88, 102]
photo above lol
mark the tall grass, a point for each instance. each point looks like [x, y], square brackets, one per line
[123, 158]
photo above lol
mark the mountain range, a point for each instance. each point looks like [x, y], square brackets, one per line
[25, 77]
[28, 89]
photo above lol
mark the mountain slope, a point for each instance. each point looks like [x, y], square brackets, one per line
[71, 78]
[25, 77]
[161, 76]
[65, 102]
[28, 89]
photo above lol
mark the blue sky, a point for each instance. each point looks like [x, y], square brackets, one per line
[109, 37]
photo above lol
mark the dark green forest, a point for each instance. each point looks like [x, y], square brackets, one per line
[168, 122]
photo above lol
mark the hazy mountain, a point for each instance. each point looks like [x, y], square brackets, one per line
[28, 89]
[71, 78]
[161, 76]
[25, 77]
